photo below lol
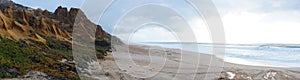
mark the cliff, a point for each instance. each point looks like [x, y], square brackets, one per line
[39, 40]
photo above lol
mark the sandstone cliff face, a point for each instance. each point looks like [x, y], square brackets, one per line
[20, 23]
[36, 40]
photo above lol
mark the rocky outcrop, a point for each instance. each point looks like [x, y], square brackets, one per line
[21, 23]
[4, 1]
[36, 39]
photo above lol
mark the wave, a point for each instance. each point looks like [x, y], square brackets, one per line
[284, 55]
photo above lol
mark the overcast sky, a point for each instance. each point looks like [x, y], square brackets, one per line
[245, 21]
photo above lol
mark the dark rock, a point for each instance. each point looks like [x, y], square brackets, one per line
[61, 12]
[6, 71]
[4, 1]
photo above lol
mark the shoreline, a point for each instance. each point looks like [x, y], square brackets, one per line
[250, 55]
[184, 66]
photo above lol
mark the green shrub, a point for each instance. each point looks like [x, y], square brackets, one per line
[30, 58]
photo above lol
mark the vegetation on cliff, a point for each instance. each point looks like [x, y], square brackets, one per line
[39, 40]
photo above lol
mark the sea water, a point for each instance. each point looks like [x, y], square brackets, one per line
[273, 55]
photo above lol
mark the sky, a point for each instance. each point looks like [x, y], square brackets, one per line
[244, 21]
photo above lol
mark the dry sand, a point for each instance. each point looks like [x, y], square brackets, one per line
[134, 63]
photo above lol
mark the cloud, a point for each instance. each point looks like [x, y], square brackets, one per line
[195, 26]
[158, 15]
[201, 30]
[260, 21]
[245, 21]
[259, 6]
[153, 33]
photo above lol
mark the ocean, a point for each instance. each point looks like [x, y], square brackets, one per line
[272, 55]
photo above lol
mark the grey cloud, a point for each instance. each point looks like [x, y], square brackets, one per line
[95, 8]
[155, 14]
[259, 6]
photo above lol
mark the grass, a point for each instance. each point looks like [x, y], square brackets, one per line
[14, 57]
[30, 57]
[37, 56]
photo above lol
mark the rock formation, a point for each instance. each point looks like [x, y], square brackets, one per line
[36, 39]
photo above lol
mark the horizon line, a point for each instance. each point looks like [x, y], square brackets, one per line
[223, 43]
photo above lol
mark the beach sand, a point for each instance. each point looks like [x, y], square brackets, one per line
[134, 63]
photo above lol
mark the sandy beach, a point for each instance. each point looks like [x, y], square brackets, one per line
[135, 63]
